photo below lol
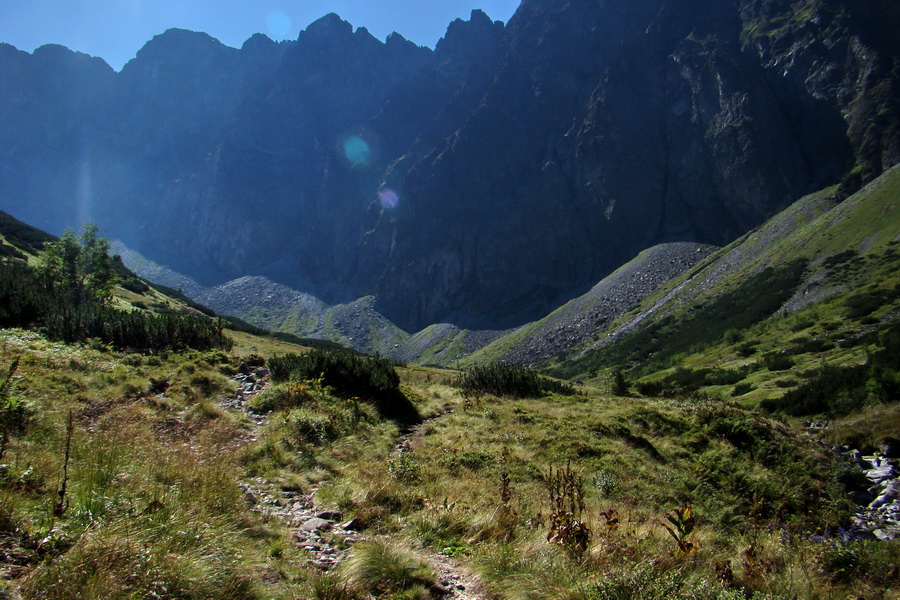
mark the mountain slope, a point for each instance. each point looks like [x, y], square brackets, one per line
[579, 320]
[815, 284]
[481, 184]
[625, 124]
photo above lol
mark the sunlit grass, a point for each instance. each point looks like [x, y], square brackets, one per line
[154, 506]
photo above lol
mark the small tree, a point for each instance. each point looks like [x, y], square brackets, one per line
[79, 269]
[619, 383]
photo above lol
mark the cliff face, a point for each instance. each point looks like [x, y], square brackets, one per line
[479, 183]
[630, 123]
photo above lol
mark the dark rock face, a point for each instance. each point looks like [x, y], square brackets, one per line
[627, 124]
[480, 183]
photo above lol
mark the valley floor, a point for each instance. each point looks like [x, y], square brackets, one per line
[130, 476]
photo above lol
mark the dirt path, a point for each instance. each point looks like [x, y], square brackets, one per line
[455, 581]
[326, 534]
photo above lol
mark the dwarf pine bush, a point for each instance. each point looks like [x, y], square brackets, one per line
[509, 380]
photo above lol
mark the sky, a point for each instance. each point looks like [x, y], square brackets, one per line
[116, 29]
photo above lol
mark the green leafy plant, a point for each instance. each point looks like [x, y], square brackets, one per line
[682, 522]
[79, 268]
[404, 468]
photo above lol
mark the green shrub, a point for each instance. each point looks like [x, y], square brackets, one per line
[25, 301]
[509, 380]
[778, 362]
[838, 391]
[619, 384]
[369, 378]
[347, 374]
[746, 350]
[865, 303]
[741, 389]
[606, 483]
[683, 381]
[404, 468]
[786, 383]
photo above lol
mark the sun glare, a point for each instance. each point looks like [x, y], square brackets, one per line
[279, 24]
[388, 198]
[357, 151]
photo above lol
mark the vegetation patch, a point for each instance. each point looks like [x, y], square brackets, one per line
[683, 381]
[68, 296]
[515, 381]
[840, 390]
[369, 378]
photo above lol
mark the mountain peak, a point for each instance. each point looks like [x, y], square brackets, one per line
[59, 53]
[329, 25]
[257, 41]
[175, 44]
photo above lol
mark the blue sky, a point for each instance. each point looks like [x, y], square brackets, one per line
[116, 29]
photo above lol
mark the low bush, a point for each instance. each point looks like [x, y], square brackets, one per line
[865, 303]
[683, 381]
[741, 389]
[347, 374]
[837, 391]
[777, 362]
[509, 380]
[26, 302]
[369, 378]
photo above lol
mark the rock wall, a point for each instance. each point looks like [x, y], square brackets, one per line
[482, 183]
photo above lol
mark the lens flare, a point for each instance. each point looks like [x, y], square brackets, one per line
[357, 151]
[388, 198]
[279, 24]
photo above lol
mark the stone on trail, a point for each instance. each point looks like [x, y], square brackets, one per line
[316, 524]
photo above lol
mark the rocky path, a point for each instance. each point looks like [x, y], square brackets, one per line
[454, 581]
[326, 534]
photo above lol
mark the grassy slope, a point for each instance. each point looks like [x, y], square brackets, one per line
[19, 240]
[154, 502]
[849, 256]
[154, 507]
